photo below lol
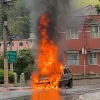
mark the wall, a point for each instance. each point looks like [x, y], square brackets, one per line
[16, 46]
[78, 44]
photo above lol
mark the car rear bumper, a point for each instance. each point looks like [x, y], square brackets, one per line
[43, 82]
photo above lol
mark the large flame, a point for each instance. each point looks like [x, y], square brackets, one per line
[46, 95]
[48, 62]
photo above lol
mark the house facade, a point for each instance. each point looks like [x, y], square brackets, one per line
[80, 36]
[16, 45]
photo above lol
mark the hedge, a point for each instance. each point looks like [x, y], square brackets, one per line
[10, 77]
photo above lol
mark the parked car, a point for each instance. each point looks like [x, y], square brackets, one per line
[66, 79]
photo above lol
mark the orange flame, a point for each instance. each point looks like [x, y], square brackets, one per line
[48, 62]
[46, 95]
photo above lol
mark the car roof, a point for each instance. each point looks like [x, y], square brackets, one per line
[66, 67]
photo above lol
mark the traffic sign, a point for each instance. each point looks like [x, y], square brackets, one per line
[12, 56]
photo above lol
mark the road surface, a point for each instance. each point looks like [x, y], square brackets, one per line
[80, 87]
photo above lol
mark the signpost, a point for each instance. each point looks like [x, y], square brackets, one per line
[12, 56]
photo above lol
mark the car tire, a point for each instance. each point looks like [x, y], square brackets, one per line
[70, 84]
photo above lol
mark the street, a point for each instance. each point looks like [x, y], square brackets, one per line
[80, 87]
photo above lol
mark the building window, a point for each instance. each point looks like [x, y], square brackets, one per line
[21, 44]
[12, 44]
[72, 33]
[92, 58]
[95, 31]
[73, 59]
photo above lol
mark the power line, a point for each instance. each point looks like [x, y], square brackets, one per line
[31, 7]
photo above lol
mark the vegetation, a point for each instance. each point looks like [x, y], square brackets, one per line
[25, 63]
[18, 19]
[10, 76]
[98, 7]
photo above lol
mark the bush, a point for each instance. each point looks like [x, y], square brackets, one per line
[24, 60]
[28, 71]
[10, 77]
[1, 76]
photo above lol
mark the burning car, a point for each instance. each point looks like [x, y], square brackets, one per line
[65, 81]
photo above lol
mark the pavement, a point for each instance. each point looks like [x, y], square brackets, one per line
[90, 96]
[12, 95]
[2, 89]
[82, 90]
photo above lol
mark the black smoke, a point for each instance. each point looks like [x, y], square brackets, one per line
[52, 33]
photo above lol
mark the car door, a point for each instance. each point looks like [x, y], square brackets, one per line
[65, 76]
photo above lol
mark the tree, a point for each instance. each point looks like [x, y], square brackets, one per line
[98, 7]
[18, 19]
[1, 62]
[25, 63]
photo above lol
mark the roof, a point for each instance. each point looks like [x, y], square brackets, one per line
[76, 18]
[85, 11]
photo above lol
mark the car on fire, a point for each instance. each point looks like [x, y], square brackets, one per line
[66, 79]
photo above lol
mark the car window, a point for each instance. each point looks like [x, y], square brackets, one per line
[65, 71]
[68, 70]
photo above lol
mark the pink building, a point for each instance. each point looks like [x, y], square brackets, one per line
[17, 45]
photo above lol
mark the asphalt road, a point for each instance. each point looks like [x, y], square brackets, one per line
[80, 87]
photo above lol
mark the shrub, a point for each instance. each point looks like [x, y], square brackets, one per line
[10, 76]
[28, 71]
[1, 76]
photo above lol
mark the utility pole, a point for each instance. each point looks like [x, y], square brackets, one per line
[4, 8]
[84, 51]
[4, 5]
[5, 55]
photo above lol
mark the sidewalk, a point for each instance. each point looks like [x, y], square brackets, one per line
[2, 89]
[92, 76]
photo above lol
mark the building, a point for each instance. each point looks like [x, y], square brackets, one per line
[80, 37]
[16, 45]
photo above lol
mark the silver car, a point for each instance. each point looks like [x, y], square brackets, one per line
[66, 79]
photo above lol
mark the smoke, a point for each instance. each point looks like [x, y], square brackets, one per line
[37, 7]
[59, 10]
[55, 7]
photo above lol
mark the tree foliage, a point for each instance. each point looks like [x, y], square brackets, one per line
[18, 18]
[98, 7]
[10, 76]
[25, 63]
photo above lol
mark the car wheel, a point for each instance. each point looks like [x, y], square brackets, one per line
[70, 84]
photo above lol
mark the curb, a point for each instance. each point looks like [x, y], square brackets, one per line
[81, 78]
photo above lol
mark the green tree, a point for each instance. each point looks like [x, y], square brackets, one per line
[25, 63]
[1, 62]
[98, 7]
[18, 18]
